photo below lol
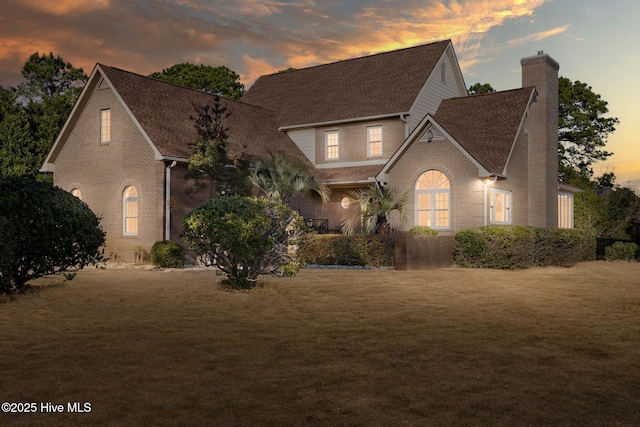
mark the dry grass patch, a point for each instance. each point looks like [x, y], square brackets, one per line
[544, 346]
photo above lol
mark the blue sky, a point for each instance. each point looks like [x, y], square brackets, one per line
[594, 41]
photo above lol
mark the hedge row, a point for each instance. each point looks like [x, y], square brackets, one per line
[337, 249]
[512, 247]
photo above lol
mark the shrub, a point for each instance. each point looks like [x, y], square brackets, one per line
[245, 237]
[421, 230]
[167, 254]
[511, 247]
[43, 230]
[336, 249]
[620, 251]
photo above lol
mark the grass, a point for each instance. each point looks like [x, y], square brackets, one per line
[450, 347]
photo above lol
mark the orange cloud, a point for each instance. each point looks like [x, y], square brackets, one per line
[64, 7]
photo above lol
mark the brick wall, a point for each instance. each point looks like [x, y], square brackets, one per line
[353, 140]
[541, 71]
[466, 188]
[102, 171]
[422, 252]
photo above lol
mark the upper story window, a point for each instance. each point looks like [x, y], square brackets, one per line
[76, 192]
[332, 144]
[105, 126]
[130, 211]
[565, 210]
[374, 141]
[432, 200]
[500, 206]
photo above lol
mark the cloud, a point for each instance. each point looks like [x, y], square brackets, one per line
[64, 7]
[245, 35]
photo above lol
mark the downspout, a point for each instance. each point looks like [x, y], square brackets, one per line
[487, 183]
[167, 200]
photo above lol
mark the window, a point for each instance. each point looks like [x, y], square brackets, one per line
[332, 145]
[76, 192]
[105, 126]
[130, 211]
[565, 210]
[500, 206]
[432, 200]
[374, 141]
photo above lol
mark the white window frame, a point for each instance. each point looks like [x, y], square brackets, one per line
[105, 126]
[130, 199]
[507, 205]
[371, 141]
[327, 136]
[565, 210]
[433, 197]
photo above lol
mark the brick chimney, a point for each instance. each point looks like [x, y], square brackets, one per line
[541, 71]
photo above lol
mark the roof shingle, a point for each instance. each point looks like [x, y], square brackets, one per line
[486, 125]
[381, 84]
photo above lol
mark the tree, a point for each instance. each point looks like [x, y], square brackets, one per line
[49, 77]
[244, 237]
[32, 115]
[43, 230]
[210, 159]
[582, 127]
[216, 80]
[280, 177]
[480, 88]
[377, 204]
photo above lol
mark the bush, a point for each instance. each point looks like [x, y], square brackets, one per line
[620, 251]
[336, 249]
[421, 230]
[167, 254]
[511, 247]
[245, 237]
[43, 230]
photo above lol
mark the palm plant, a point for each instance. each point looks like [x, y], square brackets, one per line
[279, 177]
[376, 205]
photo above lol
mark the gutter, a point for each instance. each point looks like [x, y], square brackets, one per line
[336, 122]
[167, 199]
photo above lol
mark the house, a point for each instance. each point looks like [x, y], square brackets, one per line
[401, 118]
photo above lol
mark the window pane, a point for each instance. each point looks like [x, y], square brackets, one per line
[131, 225]
[332, 145]
[499, 207]
[375, 148]
[105, 126]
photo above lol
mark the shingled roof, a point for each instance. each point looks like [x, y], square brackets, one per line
[486, 125]
[381, 84]
[164, 109]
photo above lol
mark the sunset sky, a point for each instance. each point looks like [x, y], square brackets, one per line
[594, 41]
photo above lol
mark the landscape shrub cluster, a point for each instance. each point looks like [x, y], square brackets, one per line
[421, 230]
[620, 251]
[513, 247]
[337, 249]
[167, 254]
[43, 230]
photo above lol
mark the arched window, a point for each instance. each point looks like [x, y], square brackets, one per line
[76, 192]
[432, 200]
[130, 211]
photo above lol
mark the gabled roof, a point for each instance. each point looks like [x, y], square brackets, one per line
[162, 112]
[377, 85]
[486, 126]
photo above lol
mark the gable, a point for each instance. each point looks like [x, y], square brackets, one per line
[486, 126]
[162, 112]
[373, 86]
